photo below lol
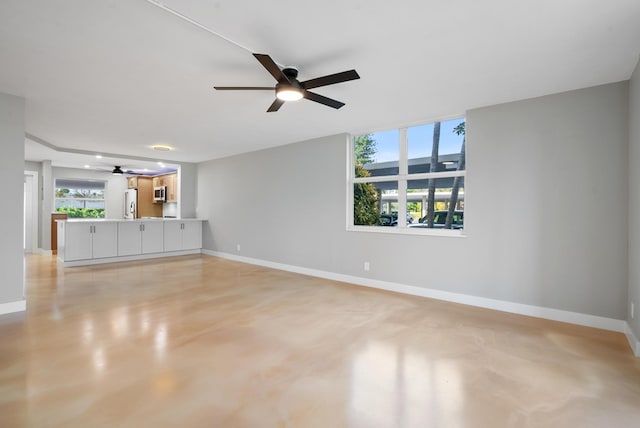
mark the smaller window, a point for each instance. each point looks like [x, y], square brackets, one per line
[80, 198]
[410, 178]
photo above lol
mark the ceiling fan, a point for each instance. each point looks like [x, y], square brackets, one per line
[118, 170]
[289, 88]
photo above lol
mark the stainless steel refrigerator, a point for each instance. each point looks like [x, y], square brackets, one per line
[131, 204]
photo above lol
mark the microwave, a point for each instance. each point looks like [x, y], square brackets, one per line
[160, 194]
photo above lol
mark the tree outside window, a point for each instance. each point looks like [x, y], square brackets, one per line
[80, 198]
[410, 177]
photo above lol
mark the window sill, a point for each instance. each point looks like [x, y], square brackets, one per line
[456, 233]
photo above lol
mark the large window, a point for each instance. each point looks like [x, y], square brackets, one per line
[80, 198]
[409, 178]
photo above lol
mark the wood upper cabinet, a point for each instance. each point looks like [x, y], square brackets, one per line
[146, 205]
[170, 181]
[132, 182]
[172, 188]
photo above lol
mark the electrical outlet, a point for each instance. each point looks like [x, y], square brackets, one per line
[367, 266]
[238, 247]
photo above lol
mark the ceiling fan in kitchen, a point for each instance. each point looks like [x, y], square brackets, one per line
[289, 88]
[120, 170]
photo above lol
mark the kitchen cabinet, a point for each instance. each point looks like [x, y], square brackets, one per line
[87, 240]
[146, 205]
[159, 180]
[172, 188]
[132, 182]
[54, 230]
[170, 181]
[140, 237]
[182, 235]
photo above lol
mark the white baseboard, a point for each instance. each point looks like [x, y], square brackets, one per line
[88, 262]
[633, 340]
[44, 252]
[483, 302]
[10, 307]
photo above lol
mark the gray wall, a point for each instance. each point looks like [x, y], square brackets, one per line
[187, 179]
[634, 199]
[12, 179]
[545, 179]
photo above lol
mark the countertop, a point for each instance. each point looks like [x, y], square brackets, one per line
[118, 220]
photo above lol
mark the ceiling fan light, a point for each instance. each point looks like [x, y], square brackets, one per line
[289, 94]
[117, 171]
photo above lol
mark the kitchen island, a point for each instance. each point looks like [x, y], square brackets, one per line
[92, 241]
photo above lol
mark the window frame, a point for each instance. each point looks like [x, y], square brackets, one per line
[103, 199]
[402, 178]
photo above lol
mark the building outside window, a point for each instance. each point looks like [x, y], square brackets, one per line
[80, 198]
[409, 178]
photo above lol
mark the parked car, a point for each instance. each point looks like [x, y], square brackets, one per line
[439, 220]
[388, 220]
[392, 219]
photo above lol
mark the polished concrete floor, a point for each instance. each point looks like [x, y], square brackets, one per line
[198, 341]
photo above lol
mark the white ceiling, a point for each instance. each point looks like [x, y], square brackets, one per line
[118, 77]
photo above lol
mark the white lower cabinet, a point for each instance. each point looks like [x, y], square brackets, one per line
[129, 241]
[152, 237]
[144, 237]
[182, 235]
[91, 242]
[85, 240]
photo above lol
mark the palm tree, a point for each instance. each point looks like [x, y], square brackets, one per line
[433, 167]
[459, 130]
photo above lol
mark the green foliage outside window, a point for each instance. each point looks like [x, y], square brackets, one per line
[365, 197]
[82, 212]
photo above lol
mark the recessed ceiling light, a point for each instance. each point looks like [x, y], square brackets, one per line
[161, 148]
[146, 169]
[98, 156]
[87, 166]
[160, 163]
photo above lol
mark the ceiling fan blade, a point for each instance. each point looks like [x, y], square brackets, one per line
[243, 88]
[330, 79]
[272, 67]
[322, 99]
[276, 105]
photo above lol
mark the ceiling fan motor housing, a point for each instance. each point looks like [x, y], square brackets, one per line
[290, 72]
